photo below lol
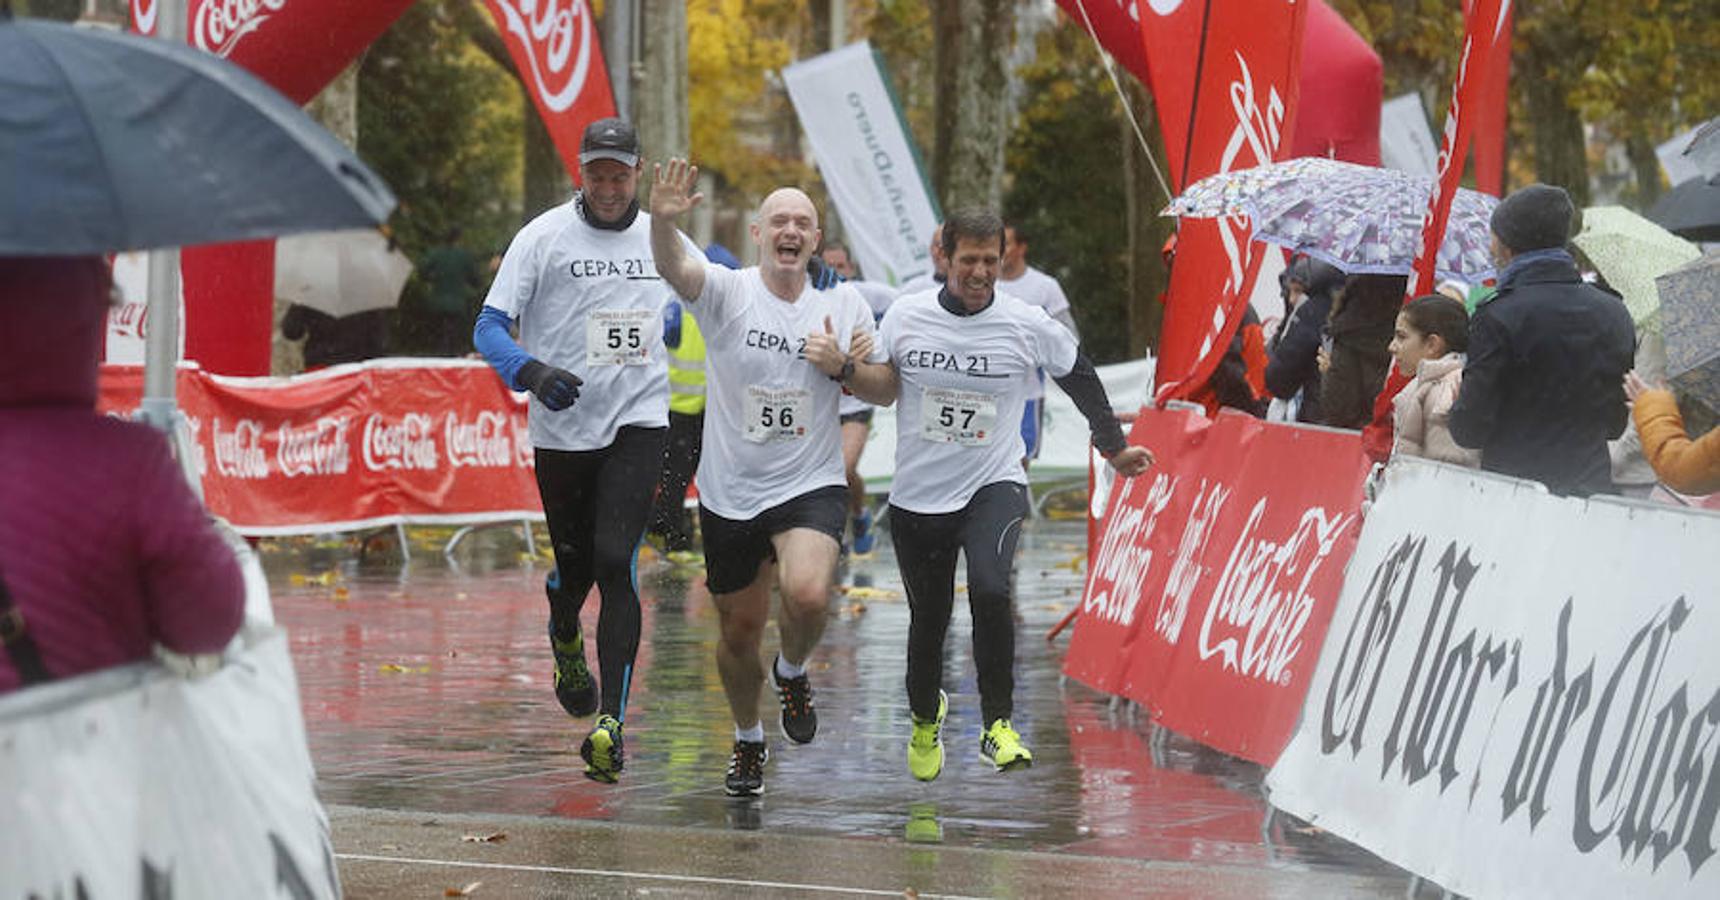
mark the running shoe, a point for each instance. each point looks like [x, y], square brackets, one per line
[1001, 746]
[602, 751]
[799, 718]
[926, 747]
[863, 536]
[574, 686]
[746, 769]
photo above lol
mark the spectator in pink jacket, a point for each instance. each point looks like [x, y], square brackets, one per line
[104, 549]
[1431, 336]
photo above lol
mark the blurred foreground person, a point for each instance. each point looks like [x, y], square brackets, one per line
[1688, 466]
[1543, 390]
[104, 549]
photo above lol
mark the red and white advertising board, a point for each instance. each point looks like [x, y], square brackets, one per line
[353, 446]
[1216, 574]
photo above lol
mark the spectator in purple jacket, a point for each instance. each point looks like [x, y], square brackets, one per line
[104, 549]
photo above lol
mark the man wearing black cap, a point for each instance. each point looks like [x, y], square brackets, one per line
[1543, 388]
[580, 283]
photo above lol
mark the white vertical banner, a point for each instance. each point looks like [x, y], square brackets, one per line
[869, 164]
[1406, 144]
[1519, 694]
[128, 319]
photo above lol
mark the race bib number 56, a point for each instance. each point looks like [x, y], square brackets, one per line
[776, 415]
[958, 417]
[617, 337]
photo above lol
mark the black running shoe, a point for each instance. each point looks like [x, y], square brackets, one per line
[799, 717]
[574, 686]
[746, 769]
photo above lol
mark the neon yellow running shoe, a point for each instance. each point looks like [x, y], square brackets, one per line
[602, 751]
[1001, 746]
[926, 747]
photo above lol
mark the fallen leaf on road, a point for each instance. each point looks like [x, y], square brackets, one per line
[398, 669]
[466, 891]
[871, 593]
[494, 838]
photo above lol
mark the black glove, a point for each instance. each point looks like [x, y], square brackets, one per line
[556, 388]
[823, 277]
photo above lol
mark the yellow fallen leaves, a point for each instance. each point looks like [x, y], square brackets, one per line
[398, 669]
[868, 593]
[466, 891]
[323, 579]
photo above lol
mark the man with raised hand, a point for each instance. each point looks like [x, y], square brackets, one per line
[579, 282]
[963, 362]
[772, 495]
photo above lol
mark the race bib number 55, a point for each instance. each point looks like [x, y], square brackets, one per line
[958, 417]
[776, 415]
[617, 337]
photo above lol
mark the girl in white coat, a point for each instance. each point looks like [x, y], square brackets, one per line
[1429, 342]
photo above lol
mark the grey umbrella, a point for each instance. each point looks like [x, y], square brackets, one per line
[1691, 210]
[1690, 312]
[115, 142]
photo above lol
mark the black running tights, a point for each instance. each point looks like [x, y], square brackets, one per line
[596, 503]
[926, 545]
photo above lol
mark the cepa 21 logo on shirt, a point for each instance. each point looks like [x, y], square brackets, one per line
[557, 41]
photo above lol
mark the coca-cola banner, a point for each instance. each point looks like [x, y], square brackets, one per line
[353, 446]
[1240, 77]
[1520, 695]
[1216, 573]
[557, 52]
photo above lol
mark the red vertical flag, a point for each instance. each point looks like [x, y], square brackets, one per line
[1225, 75]
[1490, 121]
[555, 47]
[1486, 46]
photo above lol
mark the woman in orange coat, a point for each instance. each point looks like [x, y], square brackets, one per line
[1685, 465]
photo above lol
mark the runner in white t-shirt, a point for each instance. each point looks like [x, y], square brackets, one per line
[580, 282]
[771, 488]
[1039, 289]
[963, 360]
[856, 413]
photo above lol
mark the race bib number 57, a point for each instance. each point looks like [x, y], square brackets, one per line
[618, 337]
[958, 417]
[776, 415]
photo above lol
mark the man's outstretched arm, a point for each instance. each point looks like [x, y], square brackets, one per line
[672, 195]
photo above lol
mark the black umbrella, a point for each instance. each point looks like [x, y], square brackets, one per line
[113, 142]
[1691, 210]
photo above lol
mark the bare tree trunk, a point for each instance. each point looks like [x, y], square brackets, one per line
[661, 100]
[1647, 167]
[1147, 229]
[1553, 46]
[973, 43]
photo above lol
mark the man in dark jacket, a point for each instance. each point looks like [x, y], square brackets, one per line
[1294, 364]
[1543, 391]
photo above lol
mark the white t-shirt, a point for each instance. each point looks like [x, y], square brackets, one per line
[1043, 291]
[878, 297]
[589, 301]
[965, 380]
[771, 428]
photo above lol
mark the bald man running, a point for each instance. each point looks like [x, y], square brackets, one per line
[772, 489]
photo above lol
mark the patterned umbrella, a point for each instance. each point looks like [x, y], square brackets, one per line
[1361, 219]
[1629, 251]
[1690, 311]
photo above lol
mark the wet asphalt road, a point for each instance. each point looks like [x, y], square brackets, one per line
[427, 696]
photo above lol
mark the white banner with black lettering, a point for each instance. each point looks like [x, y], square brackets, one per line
[134, 782]
[867, 159]
[1519, 694]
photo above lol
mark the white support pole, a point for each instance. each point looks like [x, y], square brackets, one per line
[161, 348]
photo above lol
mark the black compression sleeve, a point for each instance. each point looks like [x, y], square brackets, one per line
[1082, 384]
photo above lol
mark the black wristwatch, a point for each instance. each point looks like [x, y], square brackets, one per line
[847, 371]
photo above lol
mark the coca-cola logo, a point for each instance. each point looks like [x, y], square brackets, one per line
[129, 320]
[316, 449]
[1186, 570]
[1121, 566]
[193, 433]
[407, 444]
[1263, 601]
[217, 26]
[484, 442]
[143, 15]
[557, 40]
[523, 455]
[239, 452]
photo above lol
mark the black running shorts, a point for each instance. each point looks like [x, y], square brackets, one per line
[735, 548]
